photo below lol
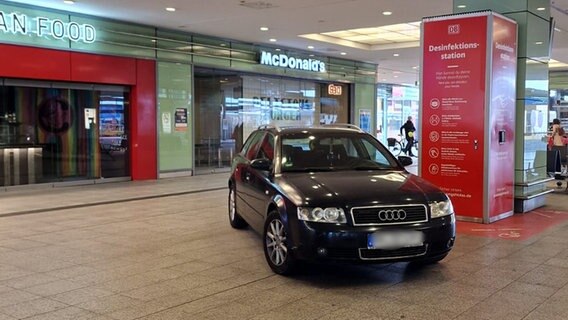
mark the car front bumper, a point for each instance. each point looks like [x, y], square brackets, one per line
[319, 241]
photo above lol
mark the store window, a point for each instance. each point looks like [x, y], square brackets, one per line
[52, 132]
[395, 104]
[229, 106]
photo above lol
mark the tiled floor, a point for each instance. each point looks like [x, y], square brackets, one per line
[176, 257]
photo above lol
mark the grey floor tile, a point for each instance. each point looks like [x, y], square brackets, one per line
[161, 259]
[32, 308]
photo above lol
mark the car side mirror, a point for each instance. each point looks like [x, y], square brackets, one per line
[262, 164]
[405, 160]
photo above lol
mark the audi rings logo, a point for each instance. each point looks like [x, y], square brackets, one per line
[392, 215]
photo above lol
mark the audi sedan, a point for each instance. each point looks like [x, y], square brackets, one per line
[335, 193]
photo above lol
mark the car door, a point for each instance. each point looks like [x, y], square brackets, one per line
[260, 180]
[242, 174]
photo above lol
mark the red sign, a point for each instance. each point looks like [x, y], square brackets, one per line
[453, 109]
[502, 118]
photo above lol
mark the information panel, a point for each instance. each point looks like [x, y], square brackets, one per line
[468, 111]
[453, 108]
[502, 118]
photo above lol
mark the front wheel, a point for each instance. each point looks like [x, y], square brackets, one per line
[235, 219]
[276, 248]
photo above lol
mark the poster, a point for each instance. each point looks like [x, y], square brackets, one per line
[181, 119]
[453, 108]
[166, 122]
[365, 120]
[90, 117]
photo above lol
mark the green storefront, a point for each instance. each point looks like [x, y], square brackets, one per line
[209, 93]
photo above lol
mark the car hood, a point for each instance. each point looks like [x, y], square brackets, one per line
[357, 188]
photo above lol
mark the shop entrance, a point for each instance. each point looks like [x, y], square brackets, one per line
[218, 123]
[229, 106]
[60, 132]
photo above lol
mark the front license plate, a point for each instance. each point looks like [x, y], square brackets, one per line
[391, 240]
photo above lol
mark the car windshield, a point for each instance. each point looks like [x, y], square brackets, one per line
[325, 151]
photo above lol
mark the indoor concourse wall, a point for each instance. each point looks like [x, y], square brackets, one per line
[54, 65]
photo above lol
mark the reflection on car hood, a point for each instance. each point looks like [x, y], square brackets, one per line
[356, 188]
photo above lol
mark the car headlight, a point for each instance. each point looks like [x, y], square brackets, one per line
[441, 208]
[326, 215]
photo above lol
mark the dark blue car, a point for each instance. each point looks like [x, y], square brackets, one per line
[335, 193]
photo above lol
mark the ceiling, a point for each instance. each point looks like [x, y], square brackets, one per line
[287, 19]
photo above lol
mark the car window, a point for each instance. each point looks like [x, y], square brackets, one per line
[374, 154]
[334, 151]
[267, 147]
[251, 145]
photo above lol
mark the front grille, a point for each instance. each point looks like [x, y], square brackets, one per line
[378, 254]
[369, 216]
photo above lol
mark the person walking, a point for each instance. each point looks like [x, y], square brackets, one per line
[557, 133]
[409, 129]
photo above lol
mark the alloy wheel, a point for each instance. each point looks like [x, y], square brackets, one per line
[276, 243]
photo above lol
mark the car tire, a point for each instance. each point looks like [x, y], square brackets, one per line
[235, 219]
[276, 246]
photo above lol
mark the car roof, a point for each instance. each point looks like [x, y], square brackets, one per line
[340, 127]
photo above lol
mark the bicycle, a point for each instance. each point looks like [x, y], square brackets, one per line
[396, 145]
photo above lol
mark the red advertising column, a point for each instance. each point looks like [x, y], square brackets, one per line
[459, 150]
[502, 119]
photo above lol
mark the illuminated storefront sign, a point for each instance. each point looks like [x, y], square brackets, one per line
[284, 61]
[334, 90]
[18, 23]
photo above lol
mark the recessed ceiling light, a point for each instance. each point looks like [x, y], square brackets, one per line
[263, 28]
[277, 49]
[395, 54]
[310, 47]
[170, 9]
[311, 55]
[415, 67]
[272, 40]
[223, 45]
[461, 6]
[343, 53]
[69, 2]
[540, 9]
[153, 40]
[538, 42]
[387, 13]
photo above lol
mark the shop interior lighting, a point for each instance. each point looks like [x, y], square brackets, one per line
[343, 53]
[396, 36]
[461, 6]
[263, 28]
[310, 47]
[387, 13]
[540, 9]
[395, 54]
[272, 40]
[171, 9]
